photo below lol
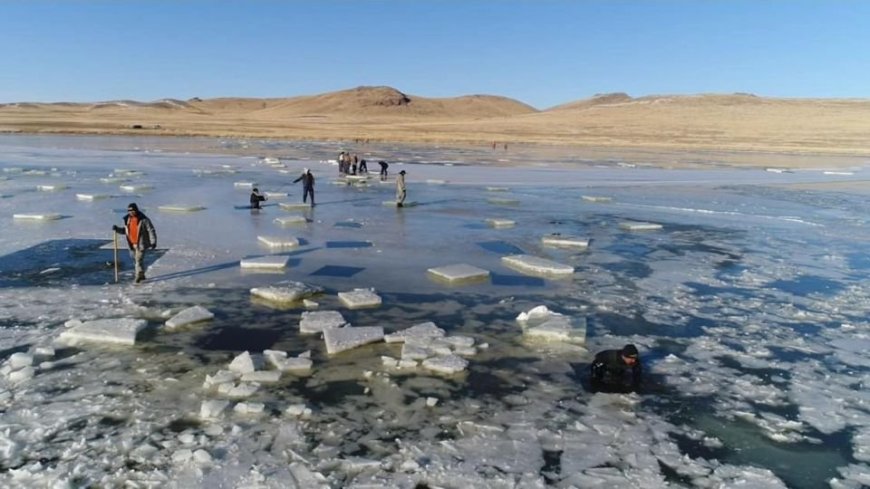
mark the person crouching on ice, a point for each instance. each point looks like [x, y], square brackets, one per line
[140, 235]
[256, 198]
[616, 370]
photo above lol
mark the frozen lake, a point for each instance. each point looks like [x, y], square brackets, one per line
[749, 305]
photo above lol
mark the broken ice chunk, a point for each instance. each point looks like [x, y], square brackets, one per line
[180, 208]
[242, 390]
[295, 206]
[500, 223]
[596, 198]
[47, 216]
[249, 408]
[212, 409]
[448, 364]
[360, 298]
[286, 291]
[342, 339]
[121, 330]
[533, 265]
[291, 220]
[190, 315]
[318, 321]
[639, 226]
[264, 262]
[560, 328]
[565, 241]
[242, 364]
[279, 241]
[459, 273]
[422, 330]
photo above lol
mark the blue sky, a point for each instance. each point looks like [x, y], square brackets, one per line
[543, 53]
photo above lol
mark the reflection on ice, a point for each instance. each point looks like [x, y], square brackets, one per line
[749, 303]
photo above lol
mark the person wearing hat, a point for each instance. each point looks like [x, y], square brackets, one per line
[256, 198]
[619, 369]
[307, 185]
[141, 236]
[401, 191]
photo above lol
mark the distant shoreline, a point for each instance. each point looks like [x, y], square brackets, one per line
[516, 155]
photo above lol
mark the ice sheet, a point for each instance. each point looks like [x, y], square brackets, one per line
[749, 311]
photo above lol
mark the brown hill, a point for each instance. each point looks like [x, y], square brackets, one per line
[700, 122]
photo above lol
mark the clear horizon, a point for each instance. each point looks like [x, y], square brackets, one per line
[540, 53]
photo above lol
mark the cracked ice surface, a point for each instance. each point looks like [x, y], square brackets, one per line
[749, 306]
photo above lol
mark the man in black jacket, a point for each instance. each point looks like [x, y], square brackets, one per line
[616, 369]
[256, 198]
[307, 185]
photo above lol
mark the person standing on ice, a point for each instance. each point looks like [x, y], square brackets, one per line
[616, 369]
[141, 236]
[384, 166]
[307, 185]
[401, 190]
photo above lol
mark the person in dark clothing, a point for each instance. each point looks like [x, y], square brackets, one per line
[256, 198]
[363, 166]
[140, 235]
[384, 167]
[307, 185]
[616, 369]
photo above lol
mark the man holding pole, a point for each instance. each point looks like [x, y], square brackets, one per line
[141, 236]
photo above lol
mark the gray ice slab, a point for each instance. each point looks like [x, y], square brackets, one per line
[596, 198]
[497, 189]
[190, 315]
[358, 298]
[288, 291]
[343, 339]
[180, 208]
[319, 321]
[267, 262]
[275, 195]
[565, 241]
[120, 331]
[91, 197]
[502, 201]
[448, 364]
[422, 330]
[559, 328]
[291, 220]
[136, 187]
[534, 265]
[459, 273]
[279, 360]
[36, 216]
[294, 207]
[500, 223]
[52, 187]
[279, 241]
[639, 226]
[245, 184]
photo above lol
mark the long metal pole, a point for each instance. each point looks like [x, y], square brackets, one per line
[115, 241]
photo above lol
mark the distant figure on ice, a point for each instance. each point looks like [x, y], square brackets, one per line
[307, 185]
[618, 370]
[401, 191]
[256, 198]
[384, 167]
[363, 167]
[141, 236]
